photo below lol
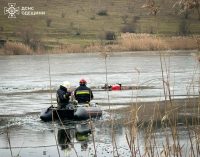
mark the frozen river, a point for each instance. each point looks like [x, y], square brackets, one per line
[25, 80]
[24, 92]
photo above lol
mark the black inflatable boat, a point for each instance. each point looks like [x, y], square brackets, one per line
[78, 112]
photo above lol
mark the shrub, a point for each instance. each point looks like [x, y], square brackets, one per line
[71, 25]
[77, 31]
[16, 48]
[129, 28]
[135, 19]
[110, 35]
[48, 22]
[2, 42]
[102, 12]
[29, 37]
[184, 27]
[77, 11]
[125, 19]
[63, 15]
[1, 28]
[92, 18]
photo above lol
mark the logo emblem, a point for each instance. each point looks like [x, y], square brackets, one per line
[11, 10]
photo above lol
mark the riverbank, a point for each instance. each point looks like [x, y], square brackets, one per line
[125, 42]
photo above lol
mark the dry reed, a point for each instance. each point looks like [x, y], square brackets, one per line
[16, 48]
[134, 42]
[69, 48]
[166, 117]
[184, 43]
[142, 42]
[125, 42]
[147, 42]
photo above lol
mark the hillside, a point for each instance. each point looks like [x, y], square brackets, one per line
[86, 21]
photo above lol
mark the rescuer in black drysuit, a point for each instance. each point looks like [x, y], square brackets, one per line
[63, 95]
[83, 94]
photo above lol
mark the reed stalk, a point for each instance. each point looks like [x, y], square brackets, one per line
[60, 120]
[53, 121]
[49, 70]
[175, 149]
[93, 139]
[105, 54]
[9, 143]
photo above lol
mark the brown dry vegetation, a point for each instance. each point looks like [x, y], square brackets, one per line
[166, 116]
[186, 43]
[126, 42]
[16, 48]
[135, 42]
[142, 42]
[147, 42]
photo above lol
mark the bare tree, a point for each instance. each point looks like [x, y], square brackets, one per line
[48, 22]
[29, 37]
[152, 7]
[187, 5]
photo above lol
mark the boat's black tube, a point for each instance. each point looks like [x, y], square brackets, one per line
[83, 113]
[46, 115]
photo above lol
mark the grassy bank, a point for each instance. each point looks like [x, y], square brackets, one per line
[82, 26]
[125, 42]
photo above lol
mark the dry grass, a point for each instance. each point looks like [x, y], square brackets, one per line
[147, 42]
[103, 48]
[93, 48]
[71, 48]
[16, 48]
[126, 42]
[74, 48]
[184, 43]
[166, 117]
[142, 42]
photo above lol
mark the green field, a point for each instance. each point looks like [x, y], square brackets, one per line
[78, 22]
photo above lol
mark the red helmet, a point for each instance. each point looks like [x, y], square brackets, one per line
[82, 81]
